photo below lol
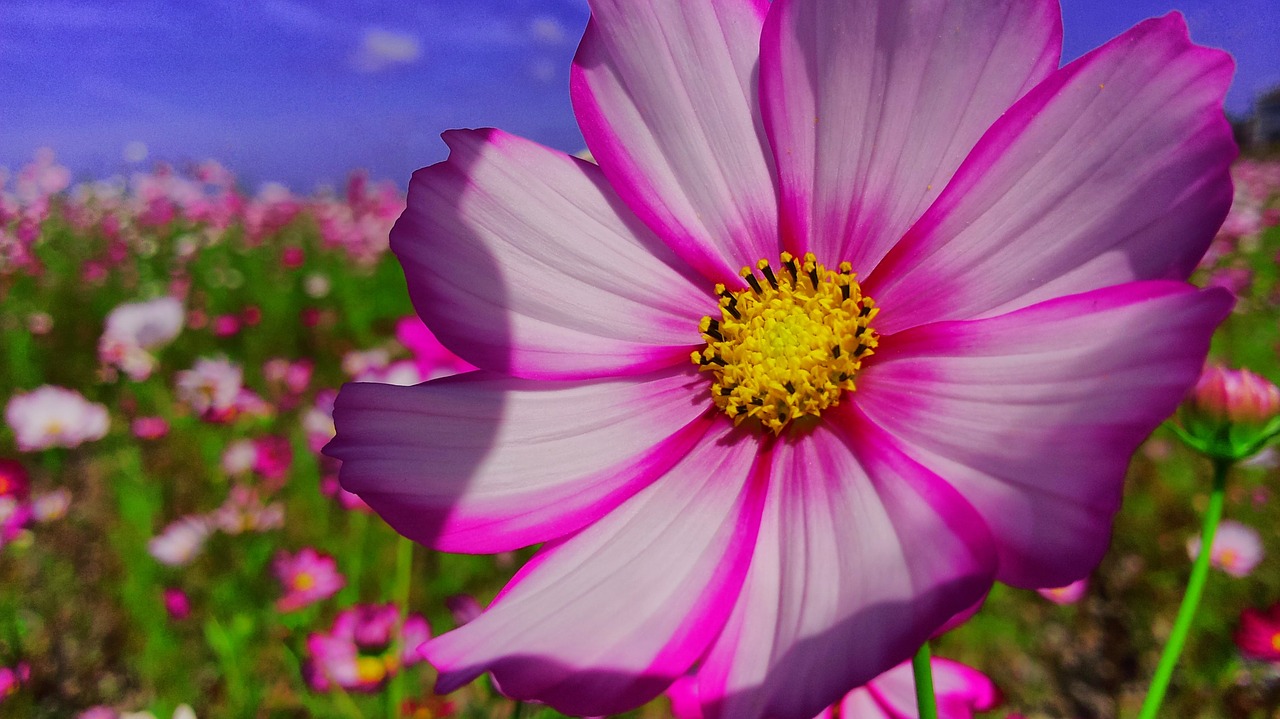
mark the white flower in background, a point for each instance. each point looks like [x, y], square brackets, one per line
[238, 457]
[180, 542]
[1237, 548]
[52, 416]
[134, 329]
[211, 385]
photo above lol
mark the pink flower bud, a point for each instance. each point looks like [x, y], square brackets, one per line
[1235, 396]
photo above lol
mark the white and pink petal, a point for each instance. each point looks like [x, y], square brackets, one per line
[523, 260]
[482, 463]
[665, 94]
[871, 107]
[1034, 415]
[608, 618]
[1114, 169]
[862, 554]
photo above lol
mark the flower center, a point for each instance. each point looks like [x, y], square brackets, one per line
[303, 582]
[1275, 641]
[788, 346]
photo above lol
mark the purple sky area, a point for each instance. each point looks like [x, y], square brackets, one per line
[302, 92]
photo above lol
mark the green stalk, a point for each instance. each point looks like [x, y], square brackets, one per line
[922, 668]
[1195, 588]
[400, 595]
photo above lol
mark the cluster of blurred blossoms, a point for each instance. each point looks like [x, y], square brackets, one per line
[178, 218]
[206, 200]
[20, 509]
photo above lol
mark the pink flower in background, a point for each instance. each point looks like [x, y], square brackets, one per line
[1237, 548]
[14, 481]
[149, 427]
[803, 197]
[181, 541]
[245, 511]
[308, 577]
[356, 652]
[330, 487]
[294, 377]
[15, 515]
[211, 386]
[133, 330]
[463, 607]
[292, 257]
[225, 325]
[1259, 634]
[99, 712]
[403, 373]
[50, 506]
[51, 416]
[358, 362]
[176, 603]
[961, 692]
[1069, 594]
[12, 679]
[317, 420]
[434, 361]
[238, 457]
[272, 458]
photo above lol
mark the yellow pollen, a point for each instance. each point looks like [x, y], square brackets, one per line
[303, 581]
[371, 669]
[1275, 641]
[789, 345]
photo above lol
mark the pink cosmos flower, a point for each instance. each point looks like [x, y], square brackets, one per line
[1259, 634]
[149, 427]
[308, 577]
[804, 197]
[960, 690]
[14, 481]
[180, 541]
[15, 515]
[272, 458]
[176, 603]
[238, 457]
[356, 652]
[51, 416]
[134, 329]
[1070, 594]
[317, 420]
[211, 386]
[225, 325]
[12, 679]
[245, 511]
[49, 506]
[1237, 548]
[1238, 396]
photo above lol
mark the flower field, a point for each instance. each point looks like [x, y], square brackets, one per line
[171, 535]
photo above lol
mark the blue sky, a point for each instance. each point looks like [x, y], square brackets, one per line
[302, 92]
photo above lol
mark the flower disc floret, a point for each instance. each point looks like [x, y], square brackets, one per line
[788, 346]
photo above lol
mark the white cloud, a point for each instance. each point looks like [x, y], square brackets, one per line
[381, 49]
[547, 30]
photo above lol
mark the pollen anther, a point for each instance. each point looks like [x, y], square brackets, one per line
[789, 347]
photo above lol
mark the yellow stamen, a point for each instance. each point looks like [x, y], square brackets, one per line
[1275, 641]
[303, 581]
[371, 669]
[789, 346]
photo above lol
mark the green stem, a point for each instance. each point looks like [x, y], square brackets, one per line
[400, 595]
[922, 668]
[356, 529]
[1195, 588]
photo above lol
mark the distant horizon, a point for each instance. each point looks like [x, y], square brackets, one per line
[303, 93]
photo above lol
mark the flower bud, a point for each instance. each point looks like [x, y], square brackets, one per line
[1230, 414]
